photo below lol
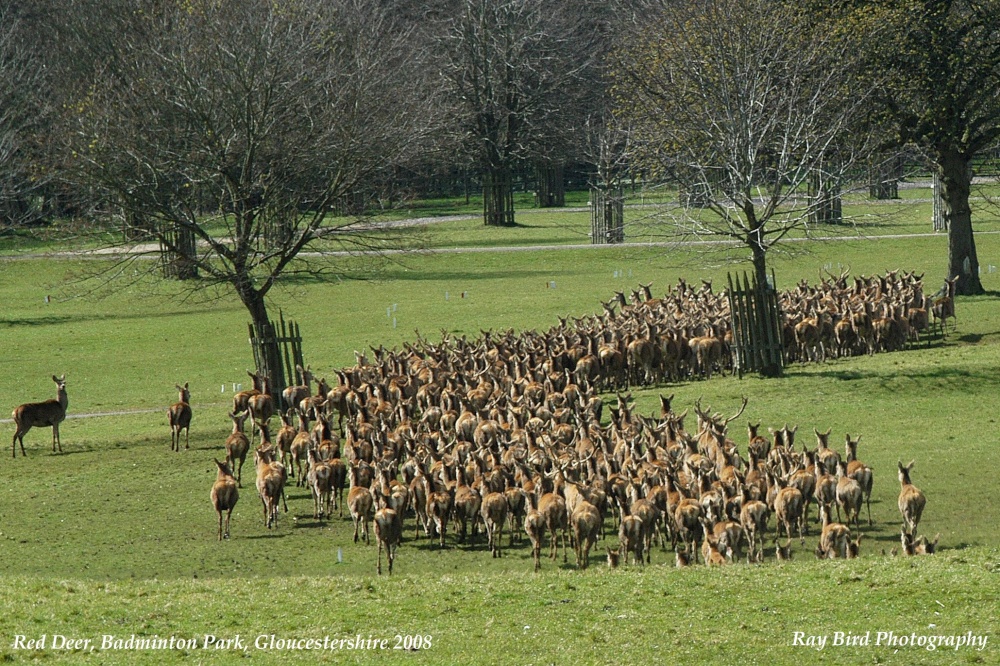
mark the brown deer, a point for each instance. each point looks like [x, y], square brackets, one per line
[911, 501]
[224, 495]
[534, 527]
[179, 418]
[494, 511]
[41, 415]
[586, 521]
[860, 472]
[360, 502]
[237, 445]
[388, 533]
[789, 509]
[320, 480]
[270, 484]
[632, 536]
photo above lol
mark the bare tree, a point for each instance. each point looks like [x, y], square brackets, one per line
[22, 114]
[511, 69]
[944, 97]
[230, 134]
[739, 103]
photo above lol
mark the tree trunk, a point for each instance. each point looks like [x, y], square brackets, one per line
[826, 206]
[267, 355]
[550, 185]
[956, 183]
[498, 197]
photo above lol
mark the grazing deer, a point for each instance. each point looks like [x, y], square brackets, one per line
[224, 495]
[911, 500]
[237, 445]
[41, 415]
[614, 556]
[179, 417]
[783, 553]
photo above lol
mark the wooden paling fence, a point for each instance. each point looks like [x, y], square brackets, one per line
[757, 327]
[276, 351]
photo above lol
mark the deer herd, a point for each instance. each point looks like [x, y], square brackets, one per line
[507, 432]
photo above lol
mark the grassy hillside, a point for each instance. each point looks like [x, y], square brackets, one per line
[117, 536]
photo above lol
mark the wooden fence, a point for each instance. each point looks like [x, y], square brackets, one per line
[757, 327]
[276, 351]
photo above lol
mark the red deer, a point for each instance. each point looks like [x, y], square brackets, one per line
[833, 540]
[711, 554]
[261, 407]
[293, 395]
[224, 496]
[494, 510]
[179, 418]
[270, 484]
[285, 437]
[241, 401]
[783, 553]
[632, 536]
[553, 509]
[388, 533]
[299, 447]
[849, 496]
[41, 415]
[753, 518]
[789, 509]
[440, 502]
[586, 521]
[911, 501]
[360, 502]
[237, 445]
[534, 526]
[860, 472]
[320, 481]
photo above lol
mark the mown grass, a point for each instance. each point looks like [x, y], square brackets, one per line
[116, 535]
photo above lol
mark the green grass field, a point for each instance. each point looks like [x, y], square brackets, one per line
[116, 536]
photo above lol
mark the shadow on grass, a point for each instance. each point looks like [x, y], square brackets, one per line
[56, 320]
[983, 374]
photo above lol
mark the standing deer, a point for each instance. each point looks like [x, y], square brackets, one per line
[42, 415]
[224, 495]
[179, 417]
[237, 445]
[911, 501]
